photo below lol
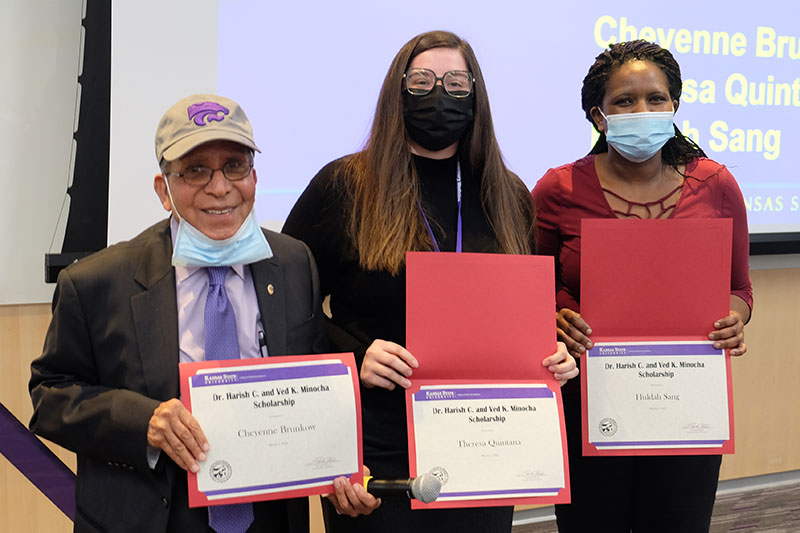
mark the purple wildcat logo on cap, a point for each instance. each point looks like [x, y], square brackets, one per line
[198, 119]
[204, 112]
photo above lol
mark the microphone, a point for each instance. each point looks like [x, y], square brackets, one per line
[424, 488]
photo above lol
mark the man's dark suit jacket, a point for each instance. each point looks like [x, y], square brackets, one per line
[111, 356]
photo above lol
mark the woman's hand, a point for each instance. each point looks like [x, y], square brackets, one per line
[387, 364]
[729, 333]
[352, 499]
[561, 364]
[573, 331]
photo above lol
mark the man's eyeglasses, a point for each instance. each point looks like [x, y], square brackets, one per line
[200, 176]
[456, 83]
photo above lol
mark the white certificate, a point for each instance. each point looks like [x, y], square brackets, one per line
[278, 429]
[656, 396]
[489, 442]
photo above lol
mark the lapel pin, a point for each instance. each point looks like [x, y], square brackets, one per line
[270, 289]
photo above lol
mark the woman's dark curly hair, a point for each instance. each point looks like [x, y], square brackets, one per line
[679, 149]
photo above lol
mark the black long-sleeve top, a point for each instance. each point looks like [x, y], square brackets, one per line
[368, 305]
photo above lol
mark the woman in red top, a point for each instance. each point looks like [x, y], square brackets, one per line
[643, 167]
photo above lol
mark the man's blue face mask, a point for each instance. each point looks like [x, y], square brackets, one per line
[193, 248]
[639, 136]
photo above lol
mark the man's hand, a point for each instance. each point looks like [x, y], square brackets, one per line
[174, 430]
[352, 499]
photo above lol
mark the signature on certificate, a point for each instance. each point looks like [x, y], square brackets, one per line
[322, 462]
[697, 427]
[531, 475]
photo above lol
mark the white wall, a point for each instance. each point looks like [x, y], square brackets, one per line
[169, 61]
[39, 57]
[40, 60]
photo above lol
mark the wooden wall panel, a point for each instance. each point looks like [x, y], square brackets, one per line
[766, 380]
[766, 385]
[22, 506]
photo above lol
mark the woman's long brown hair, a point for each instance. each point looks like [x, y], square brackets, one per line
[382, 182]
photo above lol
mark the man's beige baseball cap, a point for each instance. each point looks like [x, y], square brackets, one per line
[198, 119]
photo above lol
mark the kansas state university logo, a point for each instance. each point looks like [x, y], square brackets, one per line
[204, 112]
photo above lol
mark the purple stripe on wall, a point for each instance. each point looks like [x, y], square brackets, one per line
[37, 463]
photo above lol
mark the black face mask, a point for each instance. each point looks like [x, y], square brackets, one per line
[436, 120]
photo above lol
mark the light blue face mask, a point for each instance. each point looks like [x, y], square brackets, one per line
[639, 136]
[192, 248]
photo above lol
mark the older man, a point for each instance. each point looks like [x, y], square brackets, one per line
[203, 284]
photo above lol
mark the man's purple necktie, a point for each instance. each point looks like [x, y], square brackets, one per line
[222, 342]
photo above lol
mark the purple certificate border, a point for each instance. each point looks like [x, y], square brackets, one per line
[648, 350]
[661, 443]
[272, 486]
[508, 492]
[229, 377]
[651, 350]
[488, 393]
[270, 374]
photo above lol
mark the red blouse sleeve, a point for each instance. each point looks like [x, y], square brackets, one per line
[733, 207]
[544, 196]
[548, 199]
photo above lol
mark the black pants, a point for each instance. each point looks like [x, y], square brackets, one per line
[668, 494]
[396, 516]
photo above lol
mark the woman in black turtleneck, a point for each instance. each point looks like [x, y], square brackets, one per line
[362, 213]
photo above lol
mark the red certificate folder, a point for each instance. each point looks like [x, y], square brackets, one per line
[481, 318]
[276, 370]
[655, 280]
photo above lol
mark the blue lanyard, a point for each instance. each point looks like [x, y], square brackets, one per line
[458, 224]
